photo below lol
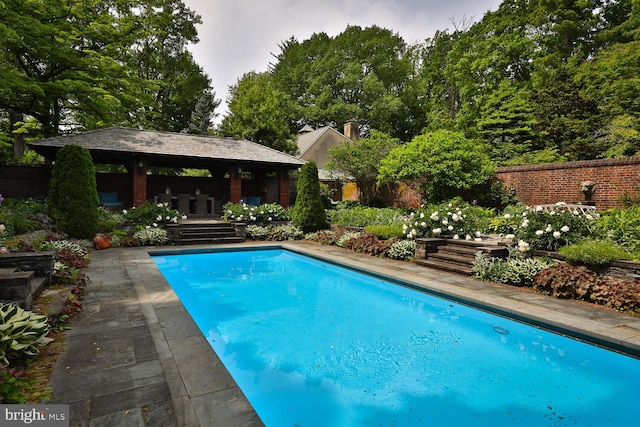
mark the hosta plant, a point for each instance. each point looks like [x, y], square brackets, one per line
[346, 236]
[274, 233]
[402, 250]
[21, 333]
[66, 245]
[513, 270]
[152, 236]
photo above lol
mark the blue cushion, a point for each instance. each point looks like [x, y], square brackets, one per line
[109, 199]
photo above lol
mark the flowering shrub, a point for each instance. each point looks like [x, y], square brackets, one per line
[152, 236]
[402, 250]
[546, 229]
[149, 214]
[455, 219]
[274, 233]
[255, 214]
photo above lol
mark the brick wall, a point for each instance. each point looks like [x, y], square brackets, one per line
[560, 182]
[533, 184]
[24, 181]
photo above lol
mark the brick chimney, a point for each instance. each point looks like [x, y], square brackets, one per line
[351, 130]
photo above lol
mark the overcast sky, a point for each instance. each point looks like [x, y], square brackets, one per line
[239, 36]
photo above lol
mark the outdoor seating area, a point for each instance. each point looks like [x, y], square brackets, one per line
[199, 204]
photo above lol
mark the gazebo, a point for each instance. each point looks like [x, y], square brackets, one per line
[239, 169]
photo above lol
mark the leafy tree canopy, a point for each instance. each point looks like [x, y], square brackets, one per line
[360, 160]
[98, 63]
[257, 113]
[440, 164]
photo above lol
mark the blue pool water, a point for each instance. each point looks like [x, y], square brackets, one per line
[315, 344]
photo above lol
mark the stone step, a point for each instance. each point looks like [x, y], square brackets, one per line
[442, 265]
[210, 240]
[459, 249]
[206, 225]
[206, 233]
[452, 258]
[454, 255]
[16, 278]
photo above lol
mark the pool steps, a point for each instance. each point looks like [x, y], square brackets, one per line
[203, 232]
[455, 256]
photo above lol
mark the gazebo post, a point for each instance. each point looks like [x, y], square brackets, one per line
[283, 188]
[139, 178]
[235, 184]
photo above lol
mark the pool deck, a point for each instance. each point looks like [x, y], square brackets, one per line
[133, 357]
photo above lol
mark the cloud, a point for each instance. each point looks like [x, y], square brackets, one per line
[240, 36]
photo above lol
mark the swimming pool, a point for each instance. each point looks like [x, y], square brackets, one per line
[312, 343]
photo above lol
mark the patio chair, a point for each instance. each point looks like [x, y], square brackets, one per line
[110, 200]
[184, 200]
[201, 204]
[164, 198]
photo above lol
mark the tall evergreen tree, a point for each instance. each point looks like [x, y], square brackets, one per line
[204, 112]
[308, 212]
[73, 197]
[257, 112]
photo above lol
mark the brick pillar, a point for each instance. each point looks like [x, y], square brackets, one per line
[139, 174]
[235, 185]
[283, 188]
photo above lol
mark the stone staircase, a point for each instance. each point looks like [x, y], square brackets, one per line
[203, 232]
[454, 255]
[24, 275]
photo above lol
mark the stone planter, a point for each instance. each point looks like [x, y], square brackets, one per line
[241, 229]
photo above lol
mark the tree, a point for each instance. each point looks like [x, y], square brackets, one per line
[308, 213]
[98, 63]
[360, 74]
[507, 123]
[73, 197]
[569, 120]
[204, 112]
[441, 165]
[359, 160]
[257, 112]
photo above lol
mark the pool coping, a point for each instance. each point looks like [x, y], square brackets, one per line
[202, 392]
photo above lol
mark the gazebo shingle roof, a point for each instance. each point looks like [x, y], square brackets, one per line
[115, 142]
